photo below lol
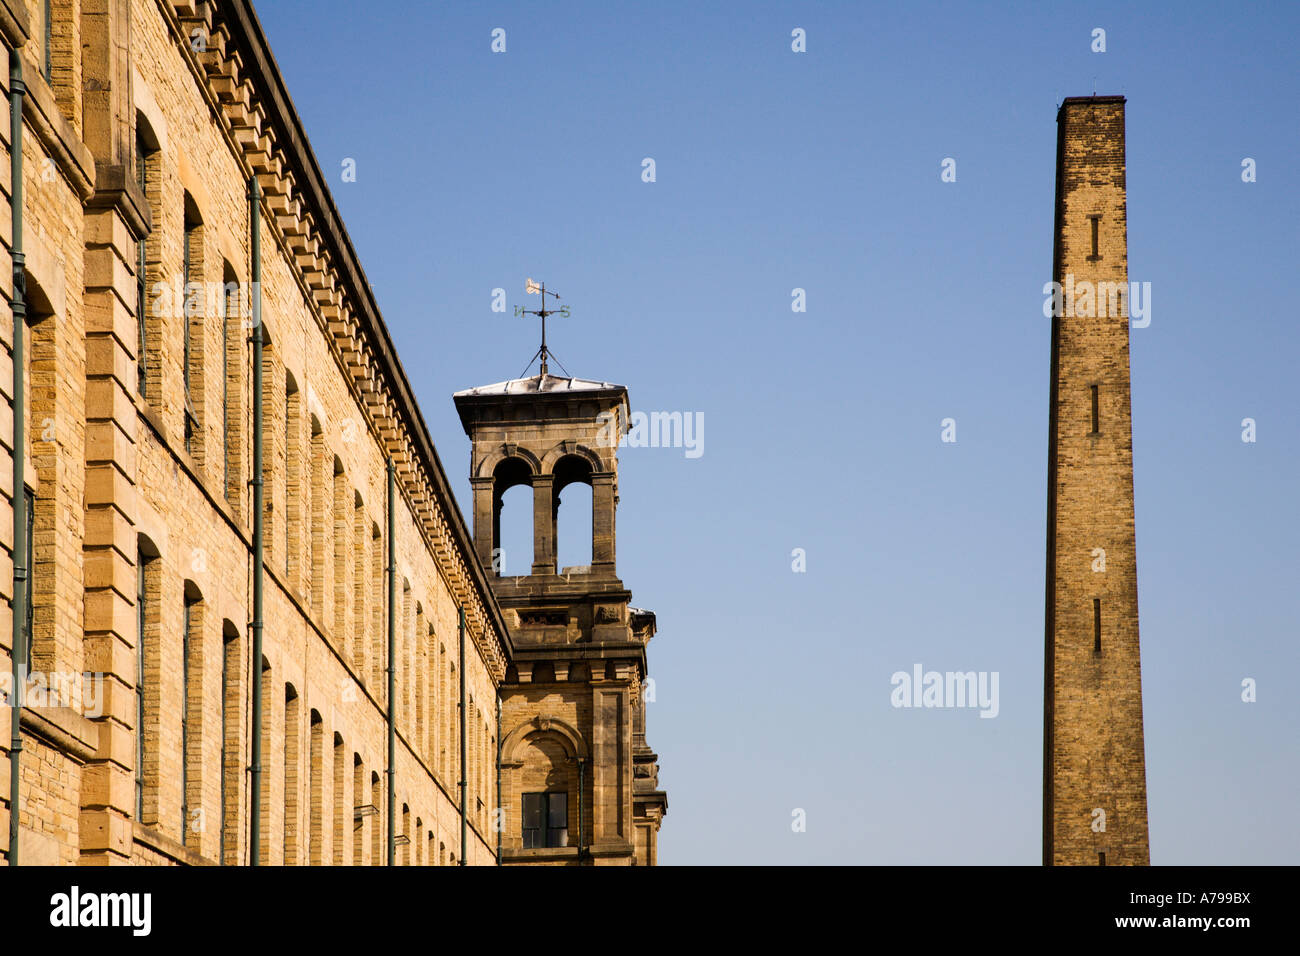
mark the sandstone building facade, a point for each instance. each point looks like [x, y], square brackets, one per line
[144, 126]
[1094, 765]
[575, 691]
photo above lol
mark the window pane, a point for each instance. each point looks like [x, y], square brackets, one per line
[558, 816]
[533, 811]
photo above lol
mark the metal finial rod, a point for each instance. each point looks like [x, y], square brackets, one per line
[540, 287]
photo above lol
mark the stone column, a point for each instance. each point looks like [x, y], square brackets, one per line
[543, 524]
[485, 521]
[602, 522]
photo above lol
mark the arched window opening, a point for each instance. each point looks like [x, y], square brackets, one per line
[321, 519]
[232, 388]
[148, 627]
[360, 585]
[572, 487]
[191, 710]
[512, 518]
[264, 807]
[148, 266]
[316, 791]
[231, 771]
[191, 317]
[340, 770]
[377, 856]
[294, 480]
[292, 710]
[547, 780]
[361, 811]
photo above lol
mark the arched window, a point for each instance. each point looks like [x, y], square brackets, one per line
[191, 715]
[512, 518]
[293, 480]
[316, 791]
[342, 566]
[191, 318]
[42, 386]
[264, 808]
[321, 519]
[271, 510]
[361, 588]
[341, 818]
[404, 664]
[421, 668]
[378, 601]
[232, 776]
[546, 785]
[572, 489]
[377, 856]
[232, 388]
[361, 811]
[148, 625]
[405, 838]
[291, 754]
[148, 373]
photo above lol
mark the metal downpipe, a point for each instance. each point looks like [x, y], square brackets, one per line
[392, 671]
[18, 648]
[255, 227]
[464, 781]
[498, 823]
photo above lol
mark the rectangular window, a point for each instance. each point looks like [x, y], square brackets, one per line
[1096, 418]
[546, 819]
[1096, 625]
[1096, 221]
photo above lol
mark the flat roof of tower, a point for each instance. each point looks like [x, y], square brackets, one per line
[1073, 100]
[539, 383]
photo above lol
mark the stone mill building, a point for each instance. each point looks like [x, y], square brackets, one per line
[336, 677]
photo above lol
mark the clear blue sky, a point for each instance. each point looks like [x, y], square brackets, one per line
[820, 171]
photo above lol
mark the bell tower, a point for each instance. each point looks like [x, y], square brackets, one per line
[579, 783]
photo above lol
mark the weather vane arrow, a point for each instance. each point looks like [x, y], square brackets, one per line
[539, 288]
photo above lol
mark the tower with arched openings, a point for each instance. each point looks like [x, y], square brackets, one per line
[579, 783]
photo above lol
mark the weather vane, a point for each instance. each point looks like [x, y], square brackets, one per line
[539, 288]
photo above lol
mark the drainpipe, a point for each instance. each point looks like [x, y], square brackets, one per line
[255, 225]
[464, 781]
[392, 641]
[18, 649]
[497, 821]
[582, 785]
